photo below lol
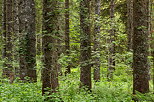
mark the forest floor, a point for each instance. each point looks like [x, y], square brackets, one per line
[119, 90]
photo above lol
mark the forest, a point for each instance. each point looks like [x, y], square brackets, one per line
[77, 51]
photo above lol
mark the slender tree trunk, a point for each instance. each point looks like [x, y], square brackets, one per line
[1, 24]
[1, 11]
[140, 46]
[67, 42]
[16, 37]
[111, 58]
[129, 28]
[7, 36]
[38, 5]
[152, 54]
[5, 73]
[27, 41]
[60, 41]
[60, 49]
[96, 42]
[85, 47]
[49, 43]
[152, 37]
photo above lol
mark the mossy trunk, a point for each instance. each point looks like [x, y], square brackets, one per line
[7, 37]
[140, 46]
[49, 43]
[129, 27]
[67, 38]
[96, 64]
[27, 40]
[111, 56]
[85, 46]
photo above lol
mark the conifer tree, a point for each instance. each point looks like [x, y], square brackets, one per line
[49, 43]
[85, 47]
[140, 46]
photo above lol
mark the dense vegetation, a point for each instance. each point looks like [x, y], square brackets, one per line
[77, 51]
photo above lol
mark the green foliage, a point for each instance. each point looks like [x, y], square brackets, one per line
[148, 97]
[20, 92]
[102, 91]
[119, 90]
[72, 59]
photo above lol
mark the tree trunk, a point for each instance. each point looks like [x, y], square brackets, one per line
[140, 46]
[152, 38]
[27, 41]
[129, 28]
[85, 47]
[38, 5]
[16, 37]
[7, 36]
[60, 41]
[67, 42]
[111, 58]
[96, 42]
[49, 43]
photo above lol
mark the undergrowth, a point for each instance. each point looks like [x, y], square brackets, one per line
[69, 91]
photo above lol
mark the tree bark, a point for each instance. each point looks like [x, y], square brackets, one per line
[38, 5]
[27, 41]
[111, 58]
[67, 38]
[140, 46]
[85, 47]
[7, 37]
[129, 27]
[16, 37]
[49, 43]
[96, 41]
[152, 38]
